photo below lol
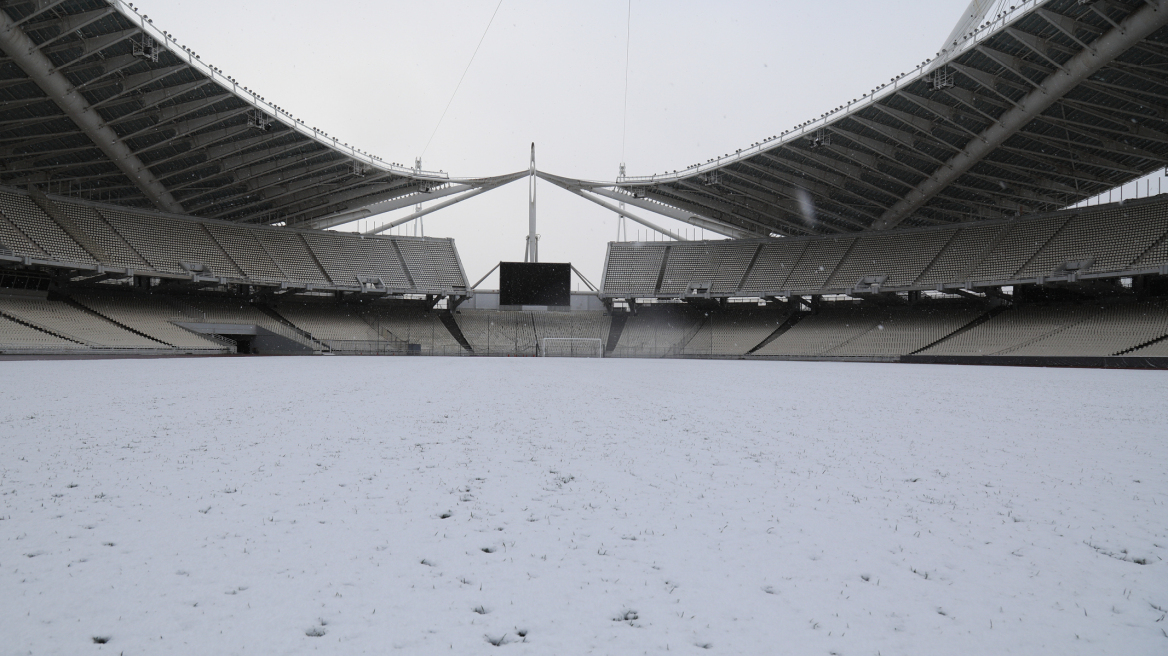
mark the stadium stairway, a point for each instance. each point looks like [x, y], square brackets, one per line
[72, 229]
[276, 316]
[28, 323]
[793, 319]
[85, 308]
[990, 314]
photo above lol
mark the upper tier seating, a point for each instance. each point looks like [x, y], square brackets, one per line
[718, 267]
[633, 268]
[962, 254]
[31, 220]
[432, 263]
[17, 243]
[149, 243]
[345, 259]
[168, 243]
[818, 262]
[246, 251]
[117, 251]
[900, 257]
[290, 252]
[1113, 239]
[773, 266]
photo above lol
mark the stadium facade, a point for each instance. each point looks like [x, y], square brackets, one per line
[151, 203]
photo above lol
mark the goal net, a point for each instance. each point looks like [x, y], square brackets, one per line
[571, 347]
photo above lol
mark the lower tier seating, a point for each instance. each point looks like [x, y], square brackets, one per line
[60, 318]
[105, 318]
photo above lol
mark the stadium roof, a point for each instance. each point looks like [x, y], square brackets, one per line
[1030, 107]
[96, 102]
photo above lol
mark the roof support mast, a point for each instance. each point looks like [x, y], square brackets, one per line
[532, 254]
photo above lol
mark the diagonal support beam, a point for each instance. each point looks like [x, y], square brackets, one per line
[38, 67]
[625, 213]
[400, 198]
[434, 208]
[1086, 63]
[691, 218]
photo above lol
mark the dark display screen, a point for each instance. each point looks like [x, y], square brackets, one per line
[535, 283]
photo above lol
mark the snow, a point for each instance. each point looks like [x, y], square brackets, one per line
[294, 505]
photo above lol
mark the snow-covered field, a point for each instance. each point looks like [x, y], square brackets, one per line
[555, 506]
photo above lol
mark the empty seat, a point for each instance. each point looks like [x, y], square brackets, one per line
[75, 324]
[39, 228]
[632, 269]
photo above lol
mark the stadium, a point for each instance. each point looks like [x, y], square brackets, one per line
[782, 367]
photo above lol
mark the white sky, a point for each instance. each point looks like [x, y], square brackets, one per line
[705, 78]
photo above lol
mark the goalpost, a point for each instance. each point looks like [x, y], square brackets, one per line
[571, 347]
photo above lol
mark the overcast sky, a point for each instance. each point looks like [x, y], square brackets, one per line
[704, 78]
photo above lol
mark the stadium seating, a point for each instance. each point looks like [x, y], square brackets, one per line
[414, 327]
[580, 325]
[17, 337]
[901, 331]
[659, 330]
[154, 316]
[734, 330]
[818, 262]
[117, 251]
[828, 329]
[957, 260]
[60, 318]
[1011, 330]
[898, 258]
[1110, 331]
[498, 333]
[1157, 350]
[31, 220]
[216, 310]
[1103, 241]
[149, 243]
[330, 323]
[716, 267]
[346, 260]
[118, 318]
[245, 250]
[632, 269]
[290, 253]
[773, 266]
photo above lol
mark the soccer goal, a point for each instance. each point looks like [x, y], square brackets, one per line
[571, 347]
